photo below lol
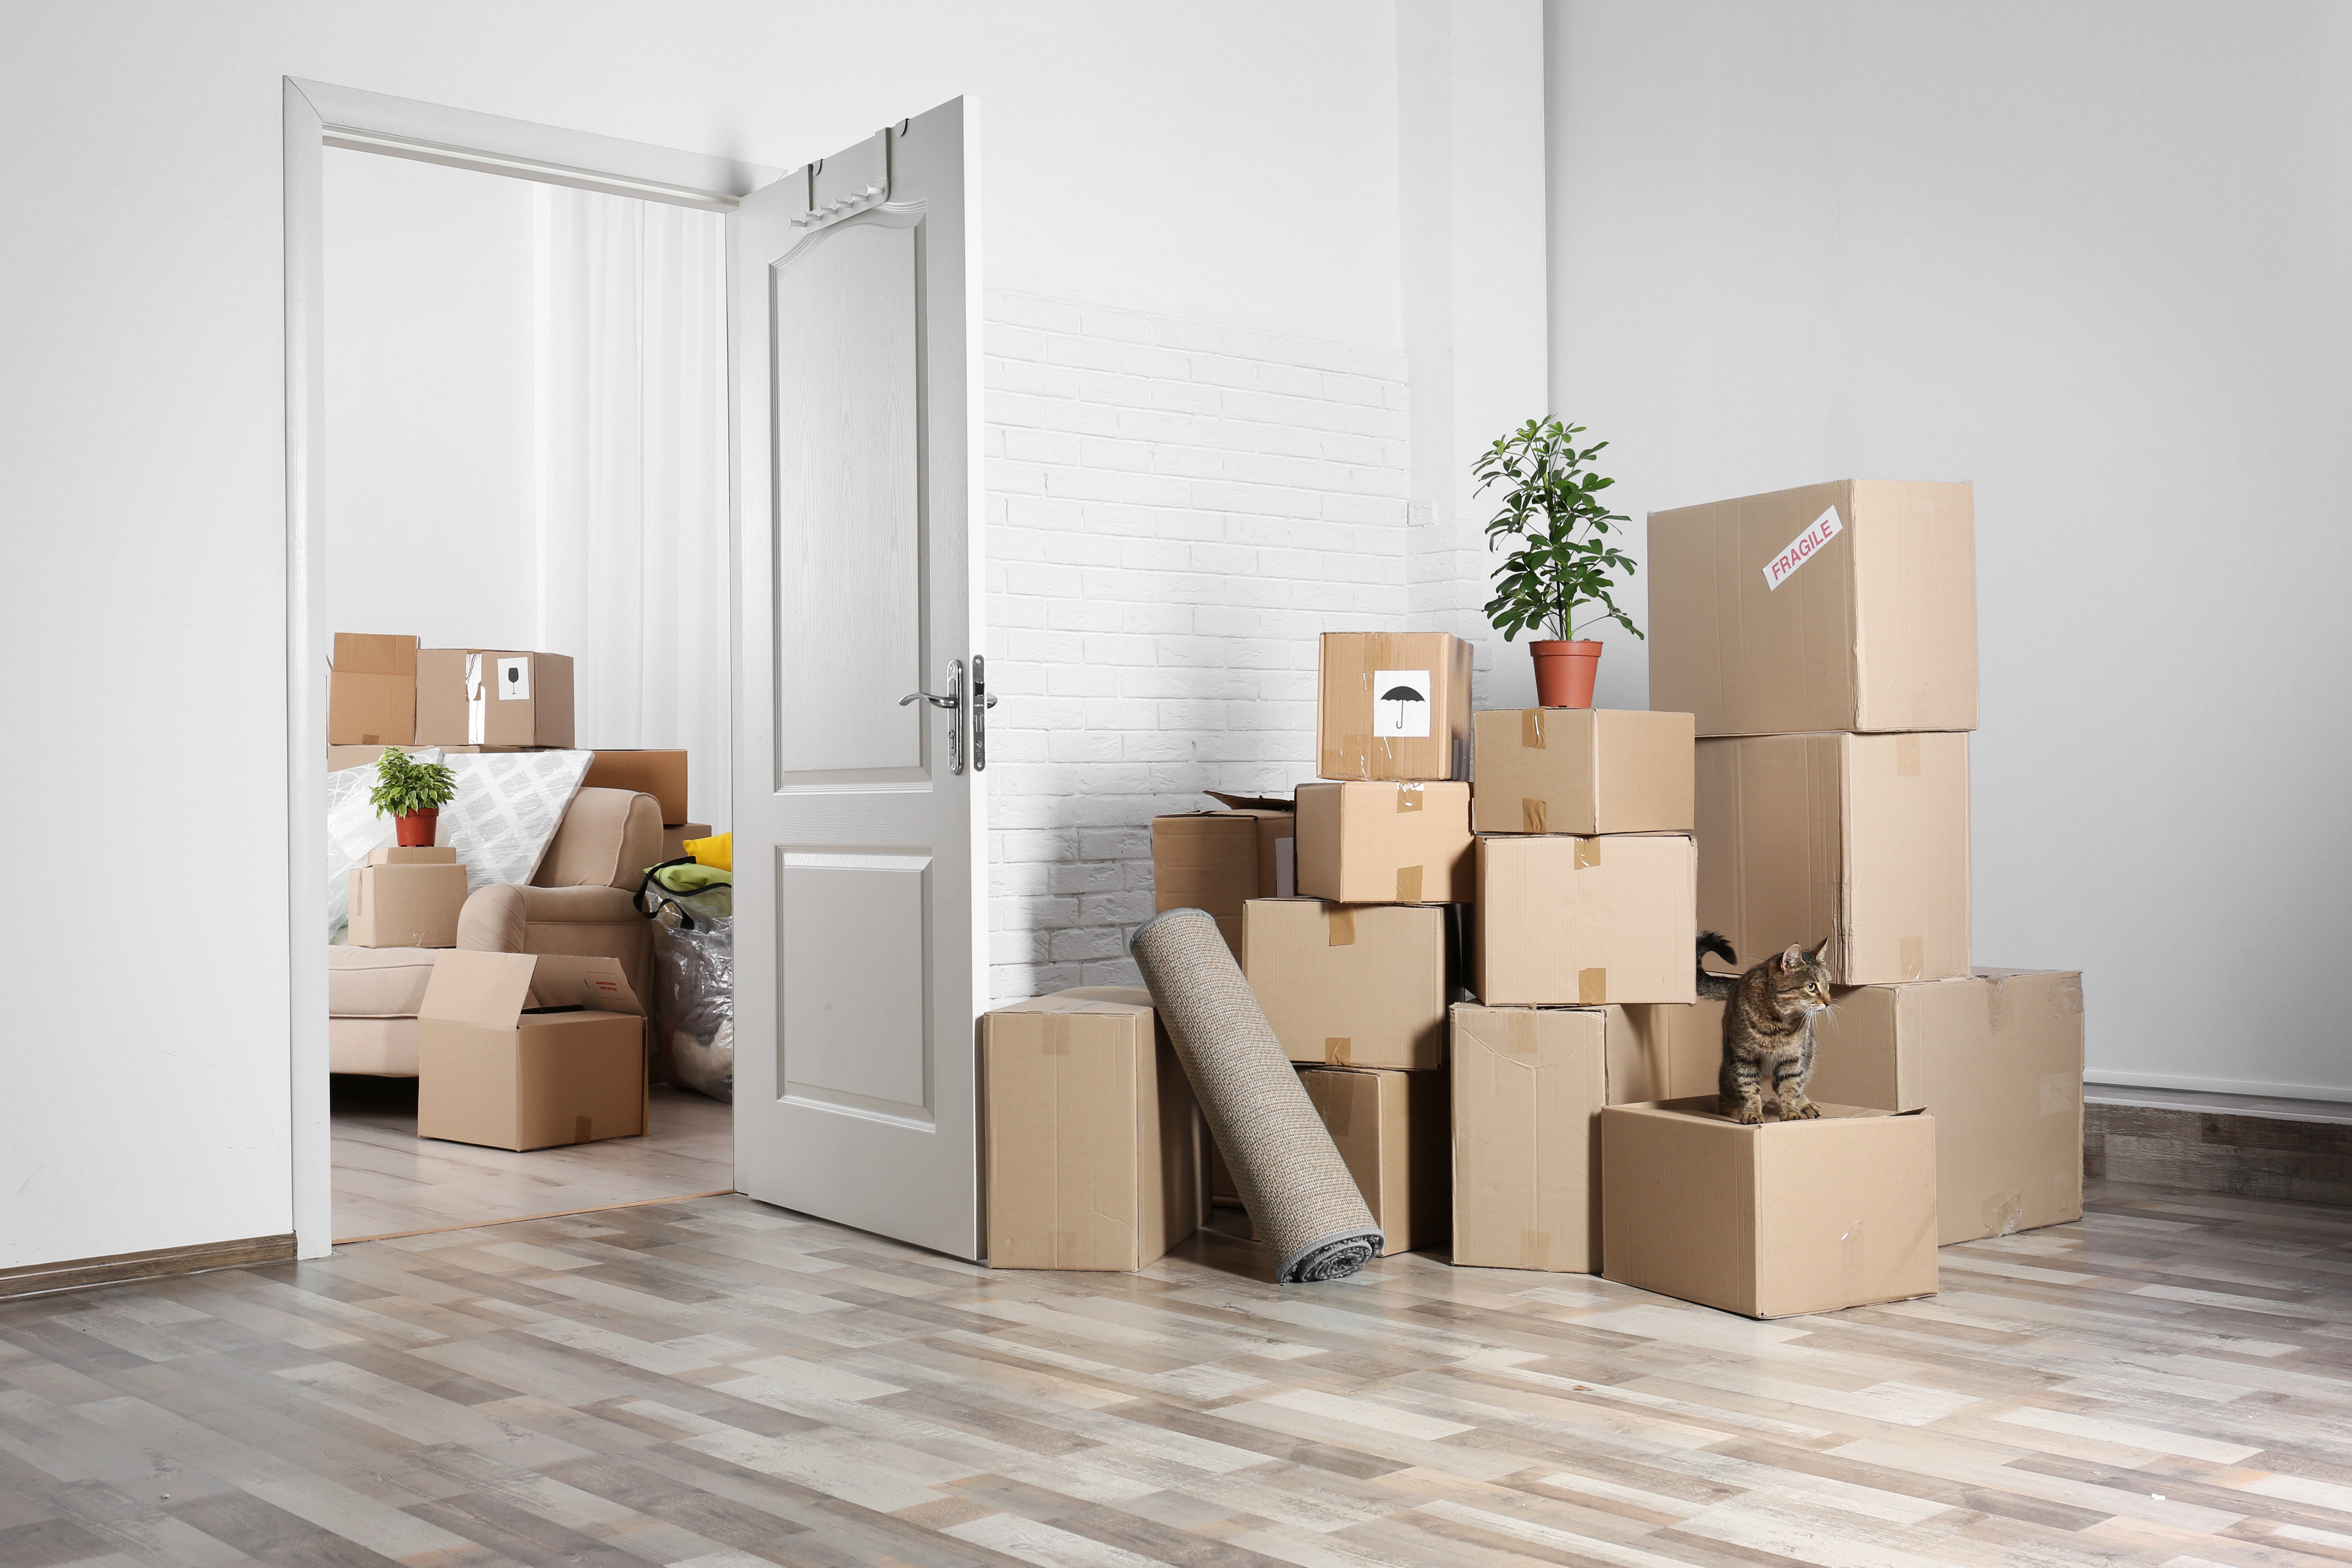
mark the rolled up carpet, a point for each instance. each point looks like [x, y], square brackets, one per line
[1302, 1202]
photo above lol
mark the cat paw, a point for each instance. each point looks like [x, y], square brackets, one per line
[1749, 1115]
[1805, 1112]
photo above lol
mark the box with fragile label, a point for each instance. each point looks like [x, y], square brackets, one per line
[1093, 1158]
[1391, 1130]
[1860, 838]
[1219, 860]
[1841, 606]
[1580, 770]
[371, 691]
[516, 1050]
[661, 774]
[1350, 984]
[406, 902]
[1583, 921]
[1529, 1084]
[487, 697]
[1386, 843]
[1393, 705]
[1771, 1220]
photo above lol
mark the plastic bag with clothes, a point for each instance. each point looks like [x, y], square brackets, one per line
[694, 984]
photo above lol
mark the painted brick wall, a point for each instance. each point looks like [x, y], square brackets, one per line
[1175, 510]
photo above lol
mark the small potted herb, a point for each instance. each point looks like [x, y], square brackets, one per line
[412, 794]
[1561, 555]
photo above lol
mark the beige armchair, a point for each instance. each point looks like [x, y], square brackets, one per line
[578, 904]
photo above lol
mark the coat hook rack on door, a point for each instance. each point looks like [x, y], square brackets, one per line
[846, 183]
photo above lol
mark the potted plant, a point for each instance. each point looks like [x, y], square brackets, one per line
[412, 794]
[1560, 553]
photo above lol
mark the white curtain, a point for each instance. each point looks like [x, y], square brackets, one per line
[632, 355]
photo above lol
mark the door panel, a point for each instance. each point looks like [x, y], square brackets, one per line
[858, 842]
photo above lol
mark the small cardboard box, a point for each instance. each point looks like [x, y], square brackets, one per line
[491, 1070]
[1391, 1130]
[1860, 838]
[490, 697]
[412, 855]
[1386, 843]
[1771, 1220]
[1350, 984]
[1655, 1053]
[1841, 606]
[407, 903]
[1583, 921]
[1580, 770]
[1219, 860]
[674, 839]
[371, 691]
[661, 774]
[1393, 705]
[1529, 1084]
[1093, 1157]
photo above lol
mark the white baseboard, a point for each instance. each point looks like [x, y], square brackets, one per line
[2125, 1078]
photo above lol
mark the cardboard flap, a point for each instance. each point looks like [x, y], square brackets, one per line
[1111, 1001]
[595, 983]
[1249, 802]
[484, 988]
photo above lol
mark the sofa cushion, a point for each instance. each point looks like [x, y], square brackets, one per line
[377, 982]
[608, 838]
[384, 1048]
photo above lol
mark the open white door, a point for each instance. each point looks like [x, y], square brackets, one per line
[859, 858]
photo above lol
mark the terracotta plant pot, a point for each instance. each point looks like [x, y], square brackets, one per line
[1564, 672]
[416, 827]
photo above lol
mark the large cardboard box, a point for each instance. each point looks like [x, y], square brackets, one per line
[371, 691]
[492, 697]
[1391, 1130]
[1585, 921]
[1386, 843]
[1219, 860]
[1092, 1147]
[1770, 1220]
[1655, 1054]
[675, 838]
[661, 774]
[1860, 838]
[495, 1068]
[406, 902]
[1350, 984]
[1580, 770]
[1849, 605]
[1393, 705]
[1528, 1085]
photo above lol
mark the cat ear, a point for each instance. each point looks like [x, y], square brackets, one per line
[1793, 957]
[1824, 947]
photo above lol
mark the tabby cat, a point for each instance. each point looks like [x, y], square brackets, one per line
[1768, 1028]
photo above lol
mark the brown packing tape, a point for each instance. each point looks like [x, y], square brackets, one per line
[1915, 957]
[1410, 797]
[1588, 854]
[1522, 1032]
[1535, 1249]
[1409, 884]
[1592, 986]
[1531, 733]
[1535, 815]
[1907, 757]
[1336, 1048]
[1340, 925]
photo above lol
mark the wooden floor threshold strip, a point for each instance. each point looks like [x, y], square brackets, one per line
[81, 1273]
[520, 1218]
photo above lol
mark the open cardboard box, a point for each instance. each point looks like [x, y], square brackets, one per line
[495, 1067]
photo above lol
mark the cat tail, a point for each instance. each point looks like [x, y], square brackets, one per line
[1715, 988]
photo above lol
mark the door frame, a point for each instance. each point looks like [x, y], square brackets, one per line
[317, 116]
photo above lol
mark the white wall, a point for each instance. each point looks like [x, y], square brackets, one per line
[2094, 258]
[432, 494]
[1231, 161]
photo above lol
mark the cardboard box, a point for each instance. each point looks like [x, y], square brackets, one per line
[491, 697]
[1770, 1220]
[1219, 860]
[407, 903]
[1528, 1086]
[492, 1072]
[1386, 843]
[1393, 705]
[1093, 1157]
[1350, 984]
[1872, 624]
[1392, 1129]
[1860, 838]
[1583, 921]
[661, 774]
[674, 839]
[1580, 770]
[1655, 1053]
[371, 691]
[412, 855]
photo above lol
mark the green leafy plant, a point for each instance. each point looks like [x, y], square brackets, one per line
[404, 784]
[1558, 525]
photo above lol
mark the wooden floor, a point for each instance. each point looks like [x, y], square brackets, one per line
[718, 1384]
[389, 1182]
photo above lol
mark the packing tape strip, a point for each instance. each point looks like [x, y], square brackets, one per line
[1522, 1033]
[1340, 925]
[1535, 815]
[1356, 749]
[1907, 757]
[1410, 797]
[1588, 854]
[1915, 958]
[1337, 1111]
[1409, 884]
[1531, 733]
[1592, 988]
[1336, 1048]
[1535, 1249]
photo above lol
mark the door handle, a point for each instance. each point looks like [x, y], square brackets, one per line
[953, 703]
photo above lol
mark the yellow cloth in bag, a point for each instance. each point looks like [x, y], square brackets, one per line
[719, 850]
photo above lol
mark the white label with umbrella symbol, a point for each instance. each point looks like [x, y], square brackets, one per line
[1401, 702]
